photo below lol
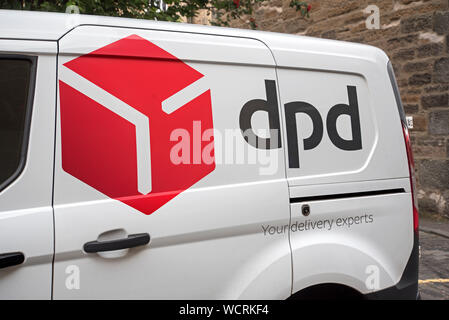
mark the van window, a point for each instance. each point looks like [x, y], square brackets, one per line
[15, 103]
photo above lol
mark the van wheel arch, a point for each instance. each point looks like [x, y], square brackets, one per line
[327, 291]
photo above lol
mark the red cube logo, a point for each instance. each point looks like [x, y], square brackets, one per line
[119, 106]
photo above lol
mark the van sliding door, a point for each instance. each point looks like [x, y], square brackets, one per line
[150, 202]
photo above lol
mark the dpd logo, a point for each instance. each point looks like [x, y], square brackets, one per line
[270, 106]
[118, 106]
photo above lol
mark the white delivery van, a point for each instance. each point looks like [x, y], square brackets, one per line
[150, 160]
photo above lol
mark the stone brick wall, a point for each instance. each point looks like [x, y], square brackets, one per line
[415, 36]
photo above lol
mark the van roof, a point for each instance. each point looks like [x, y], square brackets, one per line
[37, 25]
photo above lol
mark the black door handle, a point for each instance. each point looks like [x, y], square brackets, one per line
[133, 240]
[11, 259]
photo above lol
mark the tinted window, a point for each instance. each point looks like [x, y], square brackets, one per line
[15, 75]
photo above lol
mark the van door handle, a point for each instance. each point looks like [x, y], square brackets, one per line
[11, 259]
[133, 240]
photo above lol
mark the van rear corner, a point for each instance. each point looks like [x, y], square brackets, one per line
[407, 287]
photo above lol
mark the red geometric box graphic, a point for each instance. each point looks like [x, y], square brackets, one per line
[115, 134]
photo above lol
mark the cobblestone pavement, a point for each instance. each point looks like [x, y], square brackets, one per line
[434, 267]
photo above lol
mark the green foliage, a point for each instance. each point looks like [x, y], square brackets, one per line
[301, 6]
[221, 12]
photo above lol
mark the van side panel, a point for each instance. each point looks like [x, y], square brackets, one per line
[346, 162]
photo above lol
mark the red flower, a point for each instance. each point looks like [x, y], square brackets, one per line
[309, 7]
[237, 3]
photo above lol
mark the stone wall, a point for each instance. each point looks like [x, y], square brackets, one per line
[415, 36]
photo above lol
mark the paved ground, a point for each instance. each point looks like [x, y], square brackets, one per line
[434, 263]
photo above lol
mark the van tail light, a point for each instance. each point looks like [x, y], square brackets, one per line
[411, 168]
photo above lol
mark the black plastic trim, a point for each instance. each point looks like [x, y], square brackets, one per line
[11, 259]
[27, 125]
[347, 195]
